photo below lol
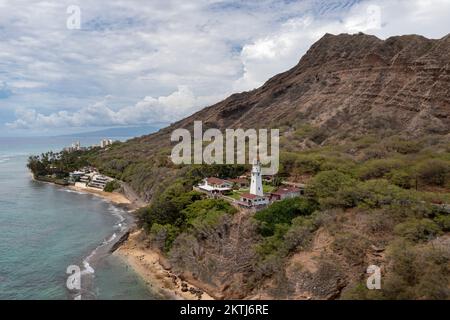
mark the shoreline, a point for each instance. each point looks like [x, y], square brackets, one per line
[145, 262]
[114, 197]
[154, 270]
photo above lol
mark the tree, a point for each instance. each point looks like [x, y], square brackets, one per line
[112, 185]
[282, 212]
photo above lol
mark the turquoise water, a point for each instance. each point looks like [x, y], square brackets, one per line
[45, 228]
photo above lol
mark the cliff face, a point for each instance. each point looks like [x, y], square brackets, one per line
[347, 86]
[351, 84]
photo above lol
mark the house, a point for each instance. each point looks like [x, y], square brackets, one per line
[217, 183]
[249, 200]
[99, 181]
[239, 182]
[297, 185]
[285, 192]
[76, 175]
[215, 186]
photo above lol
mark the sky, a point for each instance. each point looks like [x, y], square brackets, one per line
[73, 66]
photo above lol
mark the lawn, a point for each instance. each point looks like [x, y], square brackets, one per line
[237, 193]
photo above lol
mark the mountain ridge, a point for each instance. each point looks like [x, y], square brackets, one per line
[364, 126]
[398, 84]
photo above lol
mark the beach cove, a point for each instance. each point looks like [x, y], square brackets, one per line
[149, 264]
[45, 228]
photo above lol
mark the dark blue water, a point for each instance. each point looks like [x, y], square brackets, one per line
[45, 228]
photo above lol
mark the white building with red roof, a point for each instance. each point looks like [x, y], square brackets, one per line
[249, 200]
[215, 186]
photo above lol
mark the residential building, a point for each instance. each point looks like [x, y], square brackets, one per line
[215, 186]
[248, 200]
[86, 178]
[285, 192]
[239, 183]
[76, 175]
[105, 142]
[99, 181]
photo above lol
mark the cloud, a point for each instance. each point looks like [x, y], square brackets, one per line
[164, 109]
[179, 55]
[5, 92]
[281, 49]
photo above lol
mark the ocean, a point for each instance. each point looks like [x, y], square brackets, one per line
[44, 229]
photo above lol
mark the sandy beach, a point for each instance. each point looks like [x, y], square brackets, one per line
[114, 197]
[146, 263]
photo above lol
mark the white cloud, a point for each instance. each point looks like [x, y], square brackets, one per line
[23, 84]
[281, 50]
[180, 55]
[149, 110]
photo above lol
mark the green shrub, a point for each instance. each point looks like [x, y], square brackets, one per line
[309, 164]
[373, 194]
[417, 229]
[275, 242]
[112, 185]
[166, 209]
[401, 179]
[416, 272]
[164, 235]
[325, 184]
[204, 215]
[360, 292]
[443, 222]
[404, 146]
[282, 212]
[338, 163]
[434, 172]
[304, 131]
[300, 232]
[375, 169]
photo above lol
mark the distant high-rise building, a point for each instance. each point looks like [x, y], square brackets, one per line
[105, 142]
[76, 146]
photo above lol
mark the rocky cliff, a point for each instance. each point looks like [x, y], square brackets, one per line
[350, 84]
[382, 110]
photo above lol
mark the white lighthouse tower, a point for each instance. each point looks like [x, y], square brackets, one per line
[256, 187]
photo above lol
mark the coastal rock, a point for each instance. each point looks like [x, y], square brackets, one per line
[165, 263]
[119, 242]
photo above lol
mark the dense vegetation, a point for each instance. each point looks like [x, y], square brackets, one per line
[179, 210]
[112, 186]
[383, 191]
[60, 164]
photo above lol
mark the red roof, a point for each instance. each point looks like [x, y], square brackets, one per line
[238, 180]
[286, 190]
[251, 196]
[216, 181]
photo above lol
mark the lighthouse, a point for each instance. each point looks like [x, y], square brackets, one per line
[256, 187]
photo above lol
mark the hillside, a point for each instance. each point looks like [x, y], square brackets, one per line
[350, 84]
[365, 124]
[345, 86]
